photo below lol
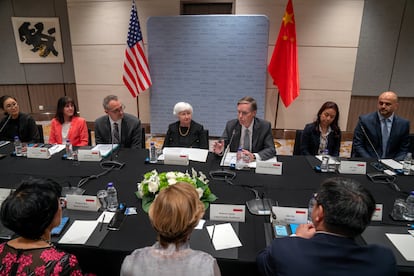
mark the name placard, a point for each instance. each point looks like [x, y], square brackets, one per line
[377, 215]
[82, 202]
[89, 155]
[227, 212]
[290, 214]
[266, 167]
[38, 152]
[353, 167]
[176, 159]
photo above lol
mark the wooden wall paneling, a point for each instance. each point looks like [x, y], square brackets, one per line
[45, 95]
[20, 93]
[405, 110]
[70, 90]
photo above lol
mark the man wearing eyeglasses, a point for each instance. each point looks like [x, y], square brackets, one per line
[117, 127]
[252, 134]
[342, 210]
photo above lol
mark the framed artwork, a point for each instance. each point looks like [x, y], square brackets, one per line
[38, 39]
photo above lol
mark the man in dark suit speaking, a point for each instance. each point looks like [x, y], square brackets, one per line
[342, 209]
[388, 133]
[117, 127]
[252, 134]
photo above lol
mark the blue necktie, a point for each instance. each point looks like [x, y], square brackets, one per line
[385, 136]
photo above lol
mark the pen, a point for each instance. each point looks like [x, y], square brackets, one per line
[212, 234]
[102, 223]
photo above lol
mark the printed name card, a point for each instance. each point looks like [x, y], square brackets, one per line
[82, 202]
[227, 212]
[38, 152]
[353, 167]
[290, 214]
[377, 215]
[89, 155]
[174, 158]
[266, 167]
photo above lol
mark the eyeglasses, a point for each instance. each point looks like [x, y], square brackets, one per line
[119, 109]
[244, 113]
[11, 105]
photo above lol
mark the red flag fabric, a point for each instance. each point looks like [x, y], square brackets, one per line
[283, 66]
[136, 71]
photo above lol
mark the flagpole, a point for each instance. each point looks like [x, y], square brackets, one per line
[277, 108]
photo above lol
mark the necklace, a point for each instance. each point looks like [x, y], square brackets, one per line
[183, 134]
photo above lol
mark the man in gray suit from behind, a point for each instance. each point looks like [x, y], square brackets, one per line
[257, 143]
[128, 134]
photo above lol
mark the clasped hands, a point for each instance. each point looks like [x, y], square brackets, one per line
[218, 148]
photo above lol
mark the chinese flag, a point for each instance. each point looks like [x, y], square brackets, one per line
[283, 66]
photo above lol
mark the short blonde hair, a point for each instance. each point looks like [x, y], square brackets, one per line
[182, 106]
[175, 212]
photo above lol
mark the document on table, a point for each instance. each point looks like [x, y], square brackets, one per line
[224, 236]
[56, 148]
[194, 154]
[79, 232]
[404, 243]
[105, 149]
[392, 164]
[3, 143]
[230, 158]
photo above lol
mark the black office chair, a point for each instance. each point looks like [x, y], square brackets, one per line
[41, 136]
[143, 138]
[411, 148]
[205, 133]
[296, 146]
[89, 137]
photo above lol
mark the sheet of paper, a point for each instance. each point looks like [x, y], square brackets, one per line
[194, 154]
[107, 218]
[392, 164]
[105, 149]
[3, 143]
[332, 159]
[230, 158]
[224, 236]
[200, 224]
[404, 243]
[56, 148]
[4, 193]
[79, 232]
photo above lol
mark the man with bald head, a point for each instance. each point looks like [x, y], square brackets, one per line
[388, 133]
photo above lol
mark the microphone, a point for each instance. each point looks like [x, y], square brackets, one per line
[260, 206]
[5, 123]
[224, 174]
[111, 163]
[378, 164]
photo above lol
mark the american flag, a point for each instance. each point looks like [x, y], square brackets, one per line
[136, 71]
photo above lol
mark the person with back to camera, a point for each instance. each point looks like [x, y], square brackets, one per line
[252, 134]
[67, 125]
[16, 123]
[342, 210]
[185, 132]
[323, 133]
[32, 211]
[118, 127]
[388, 133]
[174, 213]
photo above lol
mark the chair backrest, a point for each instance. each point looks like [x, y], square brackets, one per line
[41, 136]
[411, 148]
[89, 137]
[296, 147]
[143, 138]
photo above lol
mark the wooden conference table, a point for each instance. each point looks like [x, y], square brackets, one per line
[293, 188]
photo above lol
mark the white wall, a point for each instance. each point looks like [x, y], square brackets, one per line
[327, 34]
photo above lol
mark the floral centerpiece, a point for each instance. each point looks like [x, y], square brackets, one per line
[154, 182]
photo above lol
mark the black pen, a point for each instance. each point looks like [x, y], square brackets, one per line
[102, 223]
[212, 234]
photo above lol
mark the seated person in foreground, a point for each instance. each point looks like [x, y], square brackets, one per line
[67, 125]
[185, 132]
[32, 211]
[324, 133]
[173, 214]
[388, 133]
[117, 127]
[16, 123]
[252, 134]
[342, 210]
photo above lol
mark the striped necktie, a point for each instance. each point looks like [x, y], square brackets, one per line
[116, 134]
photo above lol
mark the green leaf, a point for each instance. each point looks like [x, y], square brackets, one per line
[146, 203]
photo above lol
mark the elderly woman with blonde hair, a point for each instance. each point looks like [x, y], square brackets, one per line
[185, 132]
[174, 213]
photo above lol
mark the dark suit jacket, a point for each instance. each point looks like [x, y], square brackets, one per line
[262, 139]
[130, 131]
[311, 136]
[24, 127]
[398, 142]
[196, 137]
[325, 254]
